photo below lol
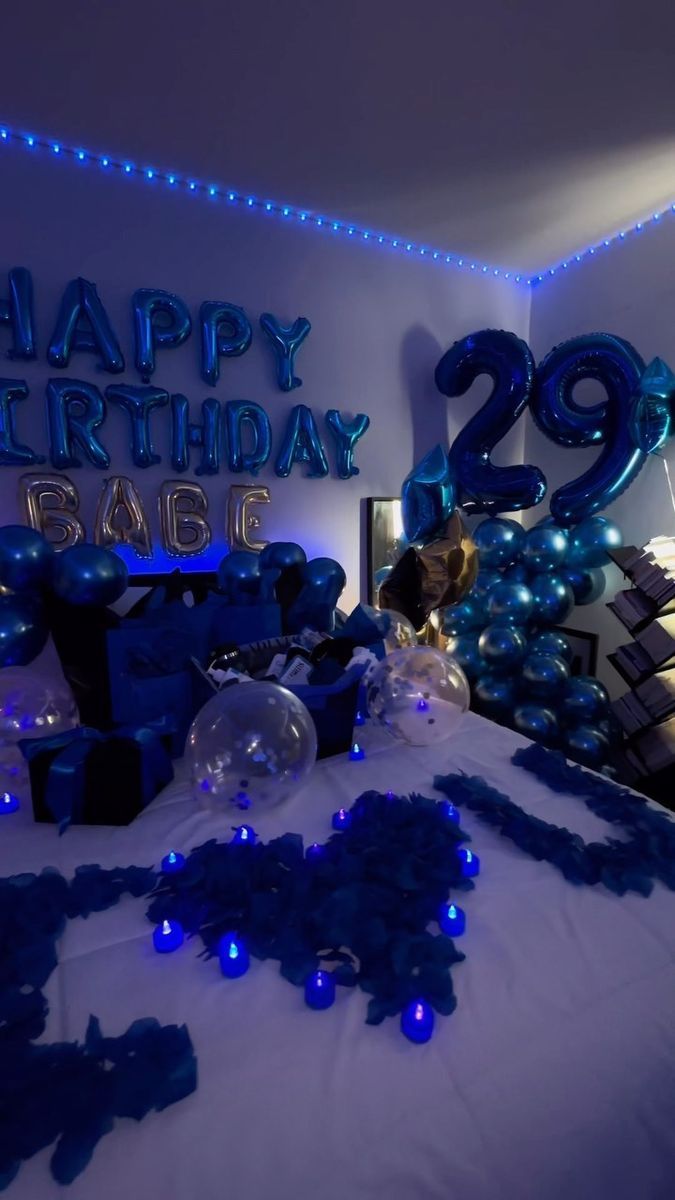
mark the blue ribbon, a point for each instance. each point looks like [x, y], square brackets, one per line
[65, 792]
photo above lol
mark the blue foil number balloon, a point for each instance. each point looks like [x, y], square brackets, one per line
[619, 368]
[509, 363]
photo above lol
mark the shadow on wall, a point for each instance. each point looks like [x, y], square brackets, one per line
[420, 352]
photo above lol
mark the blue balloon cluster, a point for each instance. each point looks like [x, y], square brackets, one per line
[502, 634]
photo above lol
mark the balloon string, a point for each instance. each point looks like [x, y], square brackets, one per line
[668, 479]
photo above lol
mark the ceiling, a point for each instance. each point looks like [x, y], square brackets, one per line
[518, 132]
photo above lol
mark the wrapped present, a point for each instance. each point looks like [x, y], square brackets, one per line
[87, 777]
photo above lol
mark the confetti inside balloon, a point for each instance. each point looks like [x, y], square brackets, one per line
[251, 745]
[418, 694]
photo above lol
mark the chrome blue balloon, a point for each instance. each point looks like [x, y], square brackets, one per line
[585, 699]
[462, 617]
[550, 642]
[226, 333]
[23, 630]
[301, 443]
[346, 434]
[591, 540]
[464, 650]
[508, 361]
[544, 675]
[138, 403]
[553, 599]
[89, 575]
[160, 320]
[510, 603]
[239, 576]
[282, 554]
[323, 581]
[502, 647]
[12, 453]
[286, 341]
[495, 695]
[26, 558]
[427, 497]
[587, 745]
[206, 434]
[650, 418]
[17, 312]
[498, 542]
[483, 584]
[381, 574]
[544, 548]
[587, 585]
[75, 410]
[516, 573]
[618, 366]
[246, 415]
[80, 305]
[537, 722]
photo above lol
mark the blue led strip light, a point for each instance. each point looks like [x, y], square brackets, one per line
[629, 233]
[242, 200]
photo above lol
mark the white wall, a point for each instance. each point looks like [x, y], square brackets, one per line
[380, 322]
[629, 291]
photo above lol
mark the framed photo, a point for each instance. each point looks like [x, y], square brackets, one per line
[584, 648]
[383, 534]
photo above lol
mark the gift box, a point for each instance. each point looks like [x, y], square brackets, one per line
[333, 710]
[87, 777]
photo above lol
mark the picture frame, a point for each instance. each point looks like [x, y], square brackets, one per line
[384, 529]
[584, 649]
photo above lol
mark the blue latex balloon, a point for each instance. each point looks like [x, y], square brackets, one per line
[553, 599]
[618, 366]
[138, 403]
[585, 699]
[591, 540]
[587, 745]
[464, 650]
[550, 642]
[483, 584]
[81, 306]
[226, 333]
[239, 576]
[508, 361]
[427, 497]
[17, 313]
[286, 341]
[544, 548]
[381, 574]
[650, 419]
[510, 603]
[301, 443]
[495, 695]
[23, 630]
[502, 647]
[545, 675]
[185, 434]
[160, 320]
[323, 581]
[75, 409]
[498, 542]
[346, 435]
[587, 586]
[241, 415]
[516, 573]
[26, 558]
[537, 722]
[282, 554]
[462, 617]
[12, 453]
[89, 575]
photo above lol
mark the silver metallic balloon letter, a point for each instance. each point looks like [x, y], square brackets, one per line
[182, 513]
[50, 503]
[119, 499]
[240, 522]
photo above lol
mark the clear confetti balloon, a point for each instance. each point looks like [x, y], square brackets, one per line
[34, 705]
[401, 631]
[252, 745]
[419, 694]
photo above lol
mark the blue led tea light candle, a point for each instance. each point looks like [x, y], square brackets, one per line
[341, 819]
[233, 956]
[470, 862]
[357, 752]
[9, 803]
[452, 920]
[417, 1021]
[320, 990]
[314, 851]
[172, 862]
[242, 835]
[450, 811]
[168, 936]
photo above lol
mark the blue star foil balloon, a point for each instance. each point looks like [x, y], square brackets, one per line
[427, 497]
[649, 421]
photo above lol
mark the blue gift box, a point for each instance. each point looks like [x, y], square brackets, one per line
[333, 710]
